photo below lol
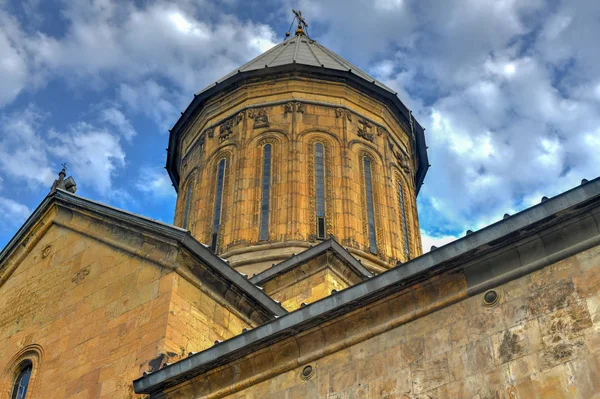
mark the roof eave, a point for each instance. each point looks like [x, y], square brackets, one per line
[370, 87]
[453, 255]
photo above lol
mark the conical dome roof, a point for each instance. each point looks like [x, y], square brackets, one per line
[300, 49]
[301, 54]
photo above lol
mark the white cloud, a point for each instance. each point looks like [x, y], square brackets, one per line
[12, 213]
[155, 182]
[116, 118]
[22, 148]
[94, 155]
[29, 151]
[438, 241]
[151, 99]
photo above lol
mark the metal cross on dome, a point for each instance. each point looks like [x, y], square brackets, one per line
[302, 25]
[300, 19]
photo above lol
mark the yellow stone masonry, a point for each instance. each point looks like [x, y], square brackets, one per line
[293, 115]
[93, 316]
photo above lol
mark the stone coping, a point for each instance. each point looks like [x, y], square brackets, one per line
[327, 245]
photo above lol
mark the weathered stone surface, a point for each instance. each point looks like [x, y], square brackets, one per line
[542, 341]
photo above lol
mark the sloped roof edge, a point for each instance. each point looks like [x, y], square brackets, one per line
[303, 257]
[490, 238]
[182, 236]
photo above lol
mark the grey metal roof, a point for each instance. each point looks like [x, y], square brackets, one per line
[303, 257]
[300, 49]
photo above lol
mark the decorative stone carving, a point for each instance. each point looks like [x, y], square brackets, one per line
[289, 107]
[402, 158]
[381, 130]
[294, 106]
[340, 112]
[210, 132]
[364, 130]
[226, 128]
[261, 119]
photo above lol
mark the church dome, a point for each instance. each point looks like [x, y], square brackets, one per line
[296, 146]
[302, 50]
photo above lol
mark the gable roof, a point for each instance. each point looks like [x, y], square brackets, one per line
[227, 281]
[329, 245]
[581, 203]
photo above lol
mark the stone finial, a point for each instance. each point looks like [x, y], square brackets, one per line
[67, 184]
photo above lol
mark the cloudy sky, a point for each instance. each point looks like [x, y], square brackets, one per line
[509, 91]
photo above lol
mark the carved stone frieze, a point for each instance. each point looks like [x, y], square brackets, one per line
[294, 106]
[260, 116]
[401, 157]
[364, 130]
[340, 112]
[381, 131]
[226, 128]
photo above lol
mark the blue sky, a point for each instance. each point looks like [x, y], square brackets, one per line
[509, 91]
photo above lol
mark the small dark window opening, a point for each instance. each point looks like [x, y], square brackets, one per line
[218, 205]
[320, 190]
[188, 200]
[370, 208]
[265, 194]
[22, 381]
[403, 217]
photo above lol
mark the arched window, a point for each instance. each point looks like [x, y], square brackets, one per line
[265, 193]
[320, 190]
[188, 200]
[218, 204]
[19, 390]
[369, 204]
[403, 219]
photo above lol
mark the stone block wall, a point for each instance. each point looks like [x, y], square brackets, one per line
[541, 340]
[292, 115]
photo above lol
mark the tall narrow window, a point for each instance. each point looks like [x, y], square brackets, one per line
[218, 205]
[21, 384]
[403, 221]
[320, 189]
[370, 210]
[186, 211]
[265, 194]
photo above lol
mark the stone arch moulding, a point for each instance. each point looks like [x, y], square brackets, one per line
[32, 353]
[277, 134]
[321, 133]
[368, 148]
[221, 151]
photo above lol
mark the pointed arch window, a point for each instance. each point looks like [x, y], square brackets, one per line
[403, 219]
[265, 200]
[218, 204]
[369, 204]
[188, 201]
[320, 190]
[21, 384]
